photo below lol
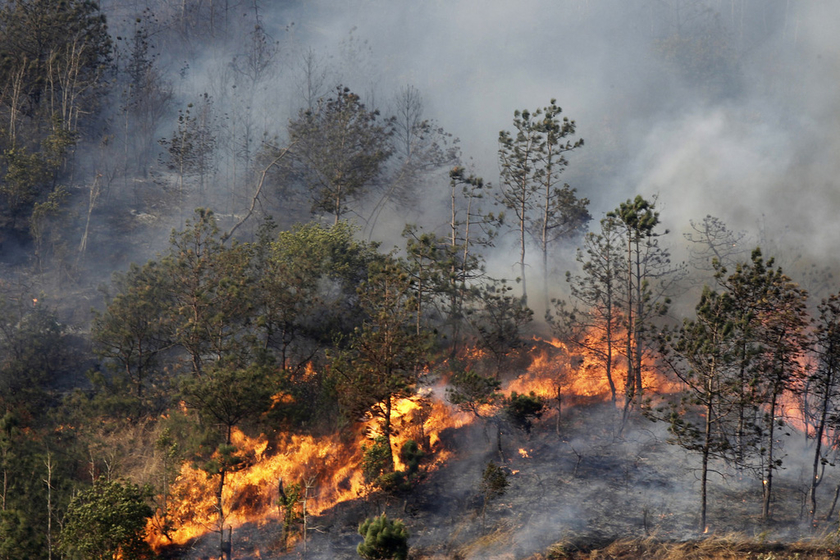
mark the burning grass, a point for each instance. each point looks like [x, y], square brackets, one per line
[573, 476]
[328, 469]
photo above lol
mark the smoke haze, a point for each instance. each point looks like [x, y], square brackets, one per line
[719, 107]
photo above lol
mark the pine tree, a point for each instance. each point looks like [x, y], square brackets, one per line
[385, 539]
[702, 355]
[531, 163]
[339, 150]
[107, 521]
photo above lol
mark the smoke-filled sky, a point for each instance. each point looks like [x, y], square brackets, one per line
[720, 107]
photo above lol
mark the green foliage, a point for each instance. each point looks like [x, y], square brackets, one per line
[224, 459]
[226, 396]
[306, 281]
[339, 151]
[494, 481]
[289, 502]
[23, 180]
[498, 319]
[429, 263]
[470, 229]
[169, 451]
[381, 362]
[146, 93]
[591, 321]
[421, 148]
[701, 354]
[42, 224]
[239, 307]
[66, 34]
[34, 352]
[471, 391]
[107, 521]
[770, 318]
[17, 536]
[133, 331]
[190, 149]
[521, 409]
[384, 539]
[211, 293]
[375, 459]
[638, 216]
[53, 58]
[399, 482]
[411, 455]
[531, 163]
[181, 438]
[646, 278]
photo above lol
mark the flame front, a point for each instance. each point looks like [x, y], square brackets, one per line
[329, 467]
[251, 494]
[556, 372]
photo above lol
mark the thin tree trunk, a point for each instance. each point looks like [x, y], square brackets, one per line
[386, 430]
[220, 510]
[768, 481]
[820, 429]
[94, 194]
[704, 474]
[830, 513]
[629, 386]
[48, 482]
[522, 251]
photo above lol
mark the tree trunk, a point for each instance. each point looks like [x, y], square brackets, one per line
[768, 481]
[637, 328]
[819, 430]
[522, 251]
[830, 513]
[48, 463]
[220, 510]
[629, 385]
[704, 474]
[386, 431]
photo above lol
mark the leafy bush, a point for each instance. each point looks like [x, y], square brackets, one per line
[107, 520]
[384, 539]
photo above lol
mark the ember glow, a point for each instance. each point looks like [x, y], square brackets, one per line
[556, 370]
[330, 466]
[251, 493]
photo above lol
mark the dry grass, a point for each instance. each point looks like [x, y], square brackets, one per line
[733, 547]
[492, 546]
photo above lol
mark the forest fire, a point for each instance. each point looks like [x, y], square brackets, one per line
[556, 372]
[328, 469]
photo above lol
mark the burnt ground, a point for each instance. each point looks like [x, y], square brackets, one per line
[574, 493]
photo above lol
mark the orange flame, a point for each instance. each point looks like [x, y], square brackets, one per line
[330, 466]
[555, 370]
